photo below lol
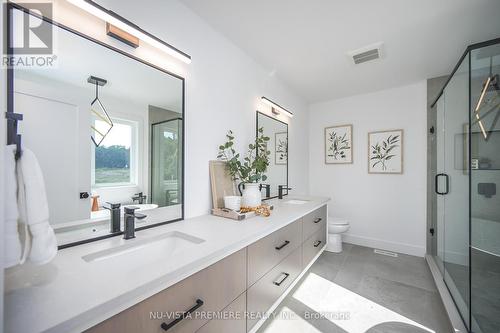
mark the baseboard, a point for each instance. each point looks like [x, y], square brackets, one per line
[413, 250]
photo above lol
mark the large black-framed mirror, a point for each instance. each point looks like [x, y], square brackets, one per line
[106, 127]
[277, 172]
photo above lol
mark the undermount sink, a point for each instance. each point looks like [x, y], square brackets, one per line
[147, 250]
[141, 207]
[296, 202]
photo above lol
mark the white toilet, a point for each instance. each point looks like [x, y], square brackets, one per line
[336, 227]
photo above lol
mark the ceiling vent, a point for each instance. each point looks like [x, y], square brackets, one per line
[367, 53]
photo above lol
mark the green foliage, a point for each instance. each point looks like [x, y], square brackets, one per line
[252, 167]
[170, 148]
[381, 153]
[112, 176]
[112, 157]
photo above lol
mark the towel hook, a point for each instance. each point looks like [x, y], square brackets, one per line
[12, 136]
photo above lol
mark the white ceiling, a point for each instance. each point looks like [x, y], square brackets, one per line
[128, 79]
[304, 42]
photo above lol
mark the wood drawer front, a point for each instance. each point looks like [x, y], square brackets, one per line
[313, 221]
[263, 255]
[230, 320]
[312, 246]
[265, 292]
[216, 285]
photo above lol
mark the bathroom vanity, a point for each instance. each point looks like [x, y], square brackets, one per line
[206, 264]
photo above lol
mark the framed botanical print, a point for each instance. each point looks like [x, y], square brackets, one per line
[385, 152]
[281, 148]
[338, 144]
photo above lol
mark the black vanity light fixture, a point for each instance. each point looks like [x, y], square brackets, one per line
[98, 112]
[276, 108]
[123, 24]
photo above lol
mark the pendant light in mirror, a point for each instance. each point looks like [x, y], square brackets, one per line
[101, 123]
[489, 101]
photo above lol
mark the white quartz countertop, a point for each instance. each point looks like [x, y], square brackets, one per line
[71, 295]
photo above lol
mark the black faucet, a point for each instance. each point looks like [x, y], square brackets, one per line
[114, 209]
[139, 197]
[280, 190]
[130, 216]
[268, 189]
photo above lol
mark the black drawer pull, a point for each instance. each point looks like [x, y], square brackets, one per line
[317, 243]
[177, 320]
[282, 245]
[282, 280]
[318, 220]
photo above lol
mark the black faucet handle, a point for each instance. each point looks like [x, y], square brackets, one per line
[140, 216]
[130, 210]
[113, 205]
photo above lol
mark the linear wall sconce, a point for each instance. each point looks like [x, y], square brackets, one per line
[123, 24]
[276, 108]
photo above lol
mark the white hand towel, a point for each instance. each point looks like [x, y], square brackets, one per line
[34, 210]
[12, 250]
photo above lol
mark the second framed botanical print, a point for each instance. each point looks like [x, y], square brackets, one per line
[338, 144]
[281, 148]
[385, 152]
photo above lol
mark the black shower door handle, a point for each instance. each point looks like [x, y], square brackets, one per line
[447, 183]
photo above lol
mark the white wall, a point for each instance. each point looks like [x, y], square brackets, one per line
[385, 211]
[223, 90]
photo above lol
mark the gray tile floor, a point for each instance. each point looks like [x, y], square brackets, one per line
[358, 291]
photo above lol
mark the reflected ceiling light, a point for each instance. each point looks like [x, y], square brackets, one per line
[129, 27]
[99, 114]
[490, 85]
[276, 108]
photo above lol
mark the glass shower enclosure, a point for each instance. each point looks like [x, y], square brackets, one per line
[166, 162]
[466, 221]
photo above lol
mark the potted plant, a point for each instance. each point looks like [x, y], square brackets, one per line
[250, 170]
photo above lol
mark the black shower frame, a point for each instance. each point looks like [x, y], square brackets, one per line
[466, 53]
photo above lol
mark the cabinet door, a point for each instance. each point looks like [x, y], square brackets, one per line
[266, 253]
[312, 246]
[216, 286]
[230, 320]
[313, 221]
[263, 294]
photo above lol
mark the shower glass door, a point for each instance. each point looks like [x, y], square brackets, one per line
[166, 162]
[485, 178]
[452, 187]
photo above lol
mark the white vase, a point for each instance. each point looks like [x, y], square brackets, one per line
[251, 195]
